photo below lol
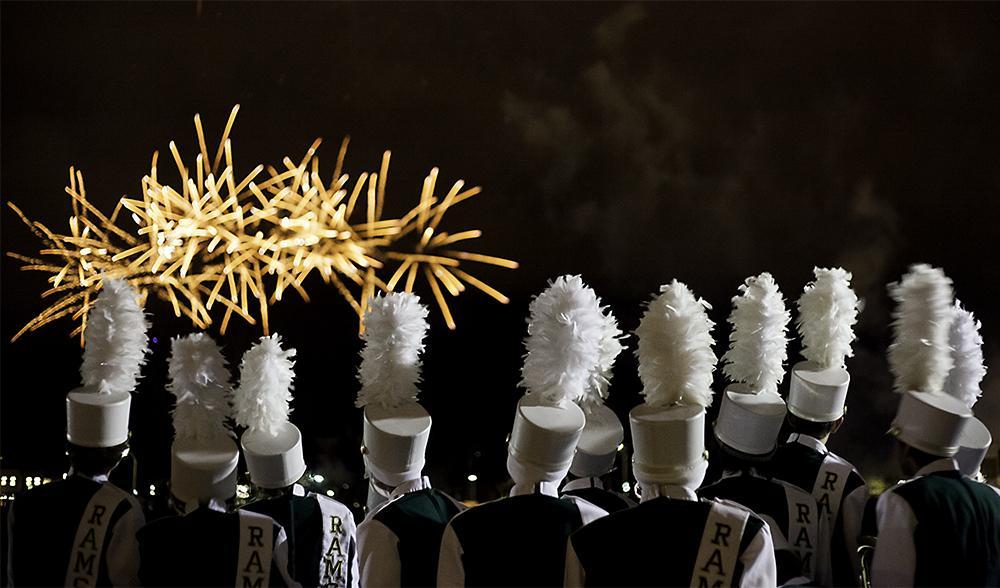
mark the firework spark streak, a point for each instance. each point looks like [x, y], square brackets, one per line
[209, 243]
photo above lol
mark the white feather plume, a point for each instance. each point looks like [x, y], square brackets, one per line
[757, 349]
[828, 309]
[565, 333]
[199, 379]
[395, 327]
[919, 356]
[261, 401]
[115, 342]
[967, 355]
[600, 376]
[675, 349]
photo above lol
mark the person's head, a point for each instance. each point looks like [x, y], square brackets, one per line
[275, 458]
[818, 430]
[597, 449]
[748, 424]
[912, 460]
[732, 459]
[817, 399]
[543, 440]
[394, 442]
[95, 461]
[669, 445]
[203, 469]
[928, 427]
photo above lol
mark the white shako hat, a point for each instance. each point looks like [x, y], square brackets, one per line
[828, 309]
[598, 445]
[749, 421]
[752, 412]
[930, 422]
[603, 432]
[920, 359]
[271, 444]
[543, 439]
[973, 445]
[963, 382]
[396, 427]
[675, 365]
[204, 455]
[115, 347]
[565, 331]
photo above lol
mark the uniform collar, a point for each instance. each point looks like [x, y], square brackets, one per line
[298, 490]
[751, 471]
[667, 491]
[421, 483]
[809, 441]
[99, 478]
[945, 464]
[580, 483]
[213, 504]
[544, 488]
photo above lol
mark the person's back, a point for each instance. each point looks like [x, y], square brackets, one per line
[955, 525]
[794, 513]
[208, 547]
[593, 491]
[76, 530]
[322, 545]
[516, 541]
[401, 540]
[840, 493]
[677, 543]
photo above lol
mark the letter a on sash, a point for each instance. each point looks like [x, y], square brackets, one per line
[720, 546]
[256, 546]
[88, 545]
[828, 489]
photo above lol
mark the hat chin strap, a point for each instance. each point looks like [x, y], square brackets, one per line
[377, 494]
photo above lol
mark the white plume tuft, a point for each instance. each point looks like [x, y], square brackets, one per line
[261, 400]
[967, 355]
[565, 333]
[919, 356]
[395, 327]
[600, 376]
[675, 349]
[757, 349]
[115, 342]
[828, 309]
[199, 378]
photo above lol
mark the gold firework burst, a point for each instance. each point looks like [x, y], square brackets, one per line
[209, 239]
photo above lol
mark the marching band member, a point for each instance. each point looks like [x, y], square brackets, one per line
[563, 345]
[595, 457]
[828, 309]
[939, 527]
[322, 547]
[708, 542]
[400, 538]
[747, 429]
[597, 449]
[81, 531]
[207, 546]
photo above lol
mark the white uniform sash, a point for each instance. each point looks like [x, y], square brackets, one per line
[253, 570]
[828, 489]
[802, 529]
[88, 545]
[715, 565]
[333, 566]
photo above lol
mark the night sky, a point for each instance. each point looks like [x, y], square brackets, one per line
[632, 144]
